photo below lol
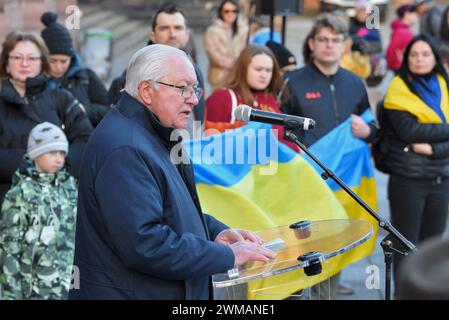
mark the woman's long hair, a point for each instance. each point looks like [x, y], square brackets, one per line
[12, 39]
[235, 25]
[404, 71]
[237, 78]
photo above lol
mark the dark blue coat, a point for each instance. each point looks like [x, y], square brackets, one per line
[140, 232]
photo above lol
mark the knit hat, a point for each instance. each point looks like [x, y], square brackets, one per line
[46, 137]
[283, 56]
[56, 36]
[405, 8]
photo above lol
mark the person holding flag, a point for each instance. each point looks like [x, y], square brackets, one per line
[330, 95]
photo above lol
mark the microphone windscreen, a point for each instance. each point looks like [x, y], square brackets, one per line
[242, 113]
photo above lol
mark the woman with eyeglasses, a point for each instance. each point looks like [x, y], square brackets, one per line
[413, 146]
[26, 100]
[224, 40]
[255, 81]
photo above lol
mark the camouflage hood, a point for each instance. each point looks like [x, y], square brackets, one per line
[27, 170]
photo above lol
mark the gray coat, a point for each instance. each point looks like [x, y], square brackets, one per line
[430, 23]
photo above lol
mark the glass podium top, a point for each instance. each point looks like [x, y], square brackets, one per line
[299, 245]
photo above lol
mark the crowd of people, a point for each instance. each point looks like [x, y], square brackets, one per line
[85, 172]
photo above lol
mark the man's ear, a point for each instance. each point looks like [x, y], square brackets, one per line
[152, 37]
[145, 91]
[311, 44]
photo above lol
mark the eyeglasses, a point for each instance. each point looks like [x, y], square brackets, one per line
[322, 39]
[21, 59]
[186, 91]
[230, 11]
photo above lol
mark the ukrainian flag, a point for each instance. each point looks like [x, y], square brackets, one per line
[350, 159]
[247, 179]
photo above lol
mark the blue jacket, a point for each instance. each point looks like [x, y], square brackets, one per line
[140, 230]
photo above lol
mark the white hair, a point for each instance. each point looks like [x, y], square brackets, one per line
[149, 63]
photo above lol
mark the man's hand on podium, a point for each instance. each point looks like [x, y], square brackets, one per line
[245, 251]
[246, 246]
[229, 236]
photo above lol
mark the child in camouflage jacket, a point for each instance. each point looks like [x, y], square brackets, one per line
[37, 221]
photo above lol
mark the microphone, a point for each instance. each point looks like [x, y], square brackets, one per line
[245, 114]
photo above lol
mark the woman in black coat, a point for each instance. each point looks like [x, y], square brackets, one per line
[26, 100]
[414, 146]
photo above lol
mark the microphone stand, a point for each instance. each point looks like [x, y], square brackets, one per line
[387, 245]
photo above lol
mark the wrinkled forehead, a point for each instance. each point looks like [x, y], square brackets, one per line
[180, 68]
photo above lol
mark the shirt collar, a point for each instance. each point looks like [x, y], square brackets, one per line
[314, 66]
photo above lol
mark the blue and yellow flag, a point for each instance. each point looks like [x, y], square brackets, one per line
[247, 179]
[350, 159]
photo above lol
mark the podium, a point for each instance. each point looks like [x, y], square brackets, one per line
[303, 245]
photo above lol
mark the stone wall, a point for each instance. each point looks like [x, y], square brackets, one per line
[25, 14]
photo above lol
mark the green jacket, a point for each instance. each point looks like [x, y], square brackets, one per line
[37, 235]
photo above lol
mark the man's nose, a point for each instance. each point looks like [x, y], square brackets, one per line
[193, 100]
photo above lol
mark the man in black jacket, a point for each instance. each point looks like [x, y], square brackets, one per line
[66, 70]
[327, 93]
[169, 27]
[141, 232]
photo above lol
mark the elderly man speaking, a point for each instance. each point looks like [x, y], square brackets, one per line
[141, 233]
